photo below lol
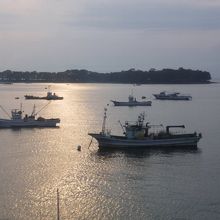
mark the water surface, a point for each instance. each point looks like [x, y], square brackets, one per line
[94, 184]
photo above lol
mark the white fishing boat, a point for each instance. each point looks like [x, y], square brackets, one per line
[172, 96]
[17, 120]
[139, 135]
[132, 102]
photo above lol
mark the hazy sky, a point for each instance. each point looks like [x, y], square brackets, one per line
[109, 35]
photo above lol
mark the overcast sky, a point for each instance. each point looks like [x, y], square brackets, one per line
[109, 35]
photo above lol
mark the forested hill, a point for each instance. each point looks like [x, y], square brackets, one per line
[180, 75]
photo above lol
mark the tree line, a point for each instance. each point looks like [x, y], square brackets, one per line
[133, 76]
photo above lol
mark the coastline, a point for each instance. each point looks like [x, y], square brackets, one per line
[150, 83]
[131, 76]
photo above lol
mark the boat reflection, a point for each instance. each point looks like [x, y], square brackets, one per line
[141, 153]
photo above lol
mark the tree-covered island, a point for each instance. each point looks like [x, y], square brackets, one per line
[131, 76]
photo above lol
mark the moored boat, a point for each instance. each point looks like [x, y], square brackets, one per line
[16, 120]
[132, 102]
[49, 96]
[139, 135]
[172, 96]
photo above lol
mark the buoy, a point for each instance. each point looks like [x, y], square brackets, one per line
[79, 148]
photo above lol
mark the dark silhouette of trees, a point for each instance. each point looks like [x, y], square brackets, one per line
[180, 75]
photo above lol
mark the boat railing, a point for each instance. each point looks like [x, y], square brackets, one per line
[173, 126]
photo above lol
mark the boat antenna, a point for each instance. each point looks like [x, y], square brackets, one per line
[104, 121]
[5, 111]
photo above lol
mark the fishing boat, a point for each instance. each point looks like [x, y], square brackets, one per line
[172, 96]
[49, 96]
[17, 120]
[132, 102]
[139, 135]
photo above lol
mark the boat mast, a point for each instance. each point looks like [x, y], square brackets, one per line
[34, 109]
[104, 121]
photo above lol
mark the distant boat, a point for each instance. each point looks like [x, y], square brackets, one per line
[49, 96]
[132, 102]
[16, 120]
[172, 96]
[139, 135]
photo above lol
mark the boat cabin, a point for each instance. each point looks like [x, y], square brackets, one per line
[131, 98]
[136, 130]
[16, 114]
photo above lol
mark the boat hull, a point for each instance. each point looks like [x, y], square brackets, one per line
[116, 142]
[6, 123]
[183, 98]
[147, 103]
[45, 98]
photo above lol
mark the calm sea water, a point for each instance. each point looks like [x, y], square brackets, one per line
[94, 184]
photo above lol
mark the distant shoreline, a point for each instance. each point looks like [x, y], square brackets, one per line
[30, 82]
[131, 76]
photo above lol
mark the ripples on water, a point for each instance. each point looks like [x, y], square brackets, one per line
[95, 184]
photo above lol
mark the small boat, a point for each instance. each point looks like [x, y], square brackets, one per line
[139, 135]
[132, 102]
[16, 120]
[49, 96]
[172, 96]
